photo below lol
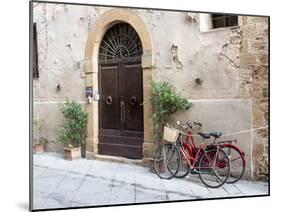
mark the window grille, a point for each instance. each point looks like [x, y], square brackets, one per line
[220, 20]
[121, 41]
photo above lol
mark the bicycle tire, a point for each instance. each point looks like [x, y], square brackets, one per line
[237, 162]
[184, 167]
[205, 167]
[166, 168]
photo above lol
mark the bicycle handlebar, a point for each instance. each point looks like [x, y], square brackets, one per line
[197, 123]
[189, 125]
[183, 126]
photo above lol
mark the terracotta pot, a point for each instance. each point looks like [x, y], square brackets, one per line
[38, 148]
[73, 153]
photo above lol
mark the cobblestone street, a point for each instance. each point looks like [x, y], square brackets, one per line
[59, 183]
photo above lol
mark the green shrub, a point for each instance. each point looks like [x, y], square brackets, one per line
[73, 131]
[165, 102]
[37, 131]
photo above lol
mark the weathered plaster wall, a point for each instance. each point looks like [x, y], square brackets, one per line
[62, 32]
[199, 56]
[230, 64]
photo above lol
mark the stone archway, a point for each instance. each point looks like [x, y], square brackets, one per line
[96, 34]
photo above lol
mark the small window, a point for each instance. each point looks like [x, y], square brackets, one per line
[220, 20]
[35, 54]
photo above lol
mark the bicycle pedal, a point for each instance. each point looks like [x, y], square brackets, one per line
[194, 171]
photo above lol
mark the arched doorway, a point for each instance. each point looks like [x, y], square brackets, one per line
[121, 93]
[91, 65]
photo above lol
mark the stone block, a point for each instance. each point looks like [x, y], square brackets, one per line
[263, 59]
[148, 150]
[89, 79]
[260, 160]
[147, 59]
[258, 117]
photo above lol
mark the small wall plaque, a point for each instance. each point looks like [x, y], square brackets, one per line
[89, 91]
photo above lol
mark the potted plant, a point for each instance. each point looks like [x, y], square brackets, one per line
[165, 102]
[38, 141]
[73, 130]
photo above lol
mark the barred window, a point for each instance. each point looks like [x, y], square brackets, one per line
[35, 54]
[222, 20]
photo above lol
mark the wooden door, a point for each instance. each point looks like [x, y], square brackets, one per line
[121, 108]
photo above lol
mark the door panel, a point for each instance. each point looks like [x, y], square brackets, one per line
[121, 116]
[133, 97]
[110, 97]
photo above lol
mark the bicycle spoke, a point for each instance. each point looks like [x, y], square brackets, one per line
[218, 171]
[166, 161]
[237, 163]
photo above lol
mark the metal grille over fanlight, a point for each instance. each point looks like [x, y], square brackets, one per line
[121, 41]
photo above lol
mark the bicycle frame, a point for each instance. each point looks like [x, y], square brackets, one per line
[193, 160]
[189, 144]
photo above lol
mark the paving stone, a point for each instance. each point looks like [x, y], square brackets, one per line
[185, 188]
[150, 195]
[231, 189]
[46, 159]
[103, 170]
[252, 188]
[149, 189]
[48, 181]
[122, 194]
[93, 192]
[38, 171]
[68, 187]
[47, 203]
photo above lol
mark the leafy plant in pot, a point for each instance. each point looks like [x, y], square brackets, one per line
[38, 141]
[73, 130]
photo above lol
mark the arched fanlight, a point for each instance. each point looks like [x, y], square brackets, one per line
[121, 41]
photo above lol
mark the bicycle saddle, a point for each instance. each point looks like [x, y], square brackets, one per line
[208, 135]
[204, 135]
[215, 134]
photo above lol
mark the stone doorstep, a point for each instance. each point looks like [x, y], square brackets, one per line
[118, 159]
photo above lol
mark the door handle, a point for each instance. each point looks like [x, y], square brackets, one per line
[133, 101]
[108, 100]
[122, 110]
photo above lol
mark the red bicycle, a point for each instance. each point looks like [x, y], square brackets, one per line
[212, 164]
[234, 153]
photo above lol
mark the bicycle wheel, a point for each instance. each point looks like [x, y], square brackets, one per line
[184, 166]
[166, 161]
[237, 162]
[214, 168]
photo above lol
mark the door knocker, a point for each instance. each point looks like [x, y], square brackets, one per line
[108, 100]
[133, 101]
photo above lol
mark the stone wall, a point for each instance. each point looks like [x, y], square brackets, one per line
[254, 85]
